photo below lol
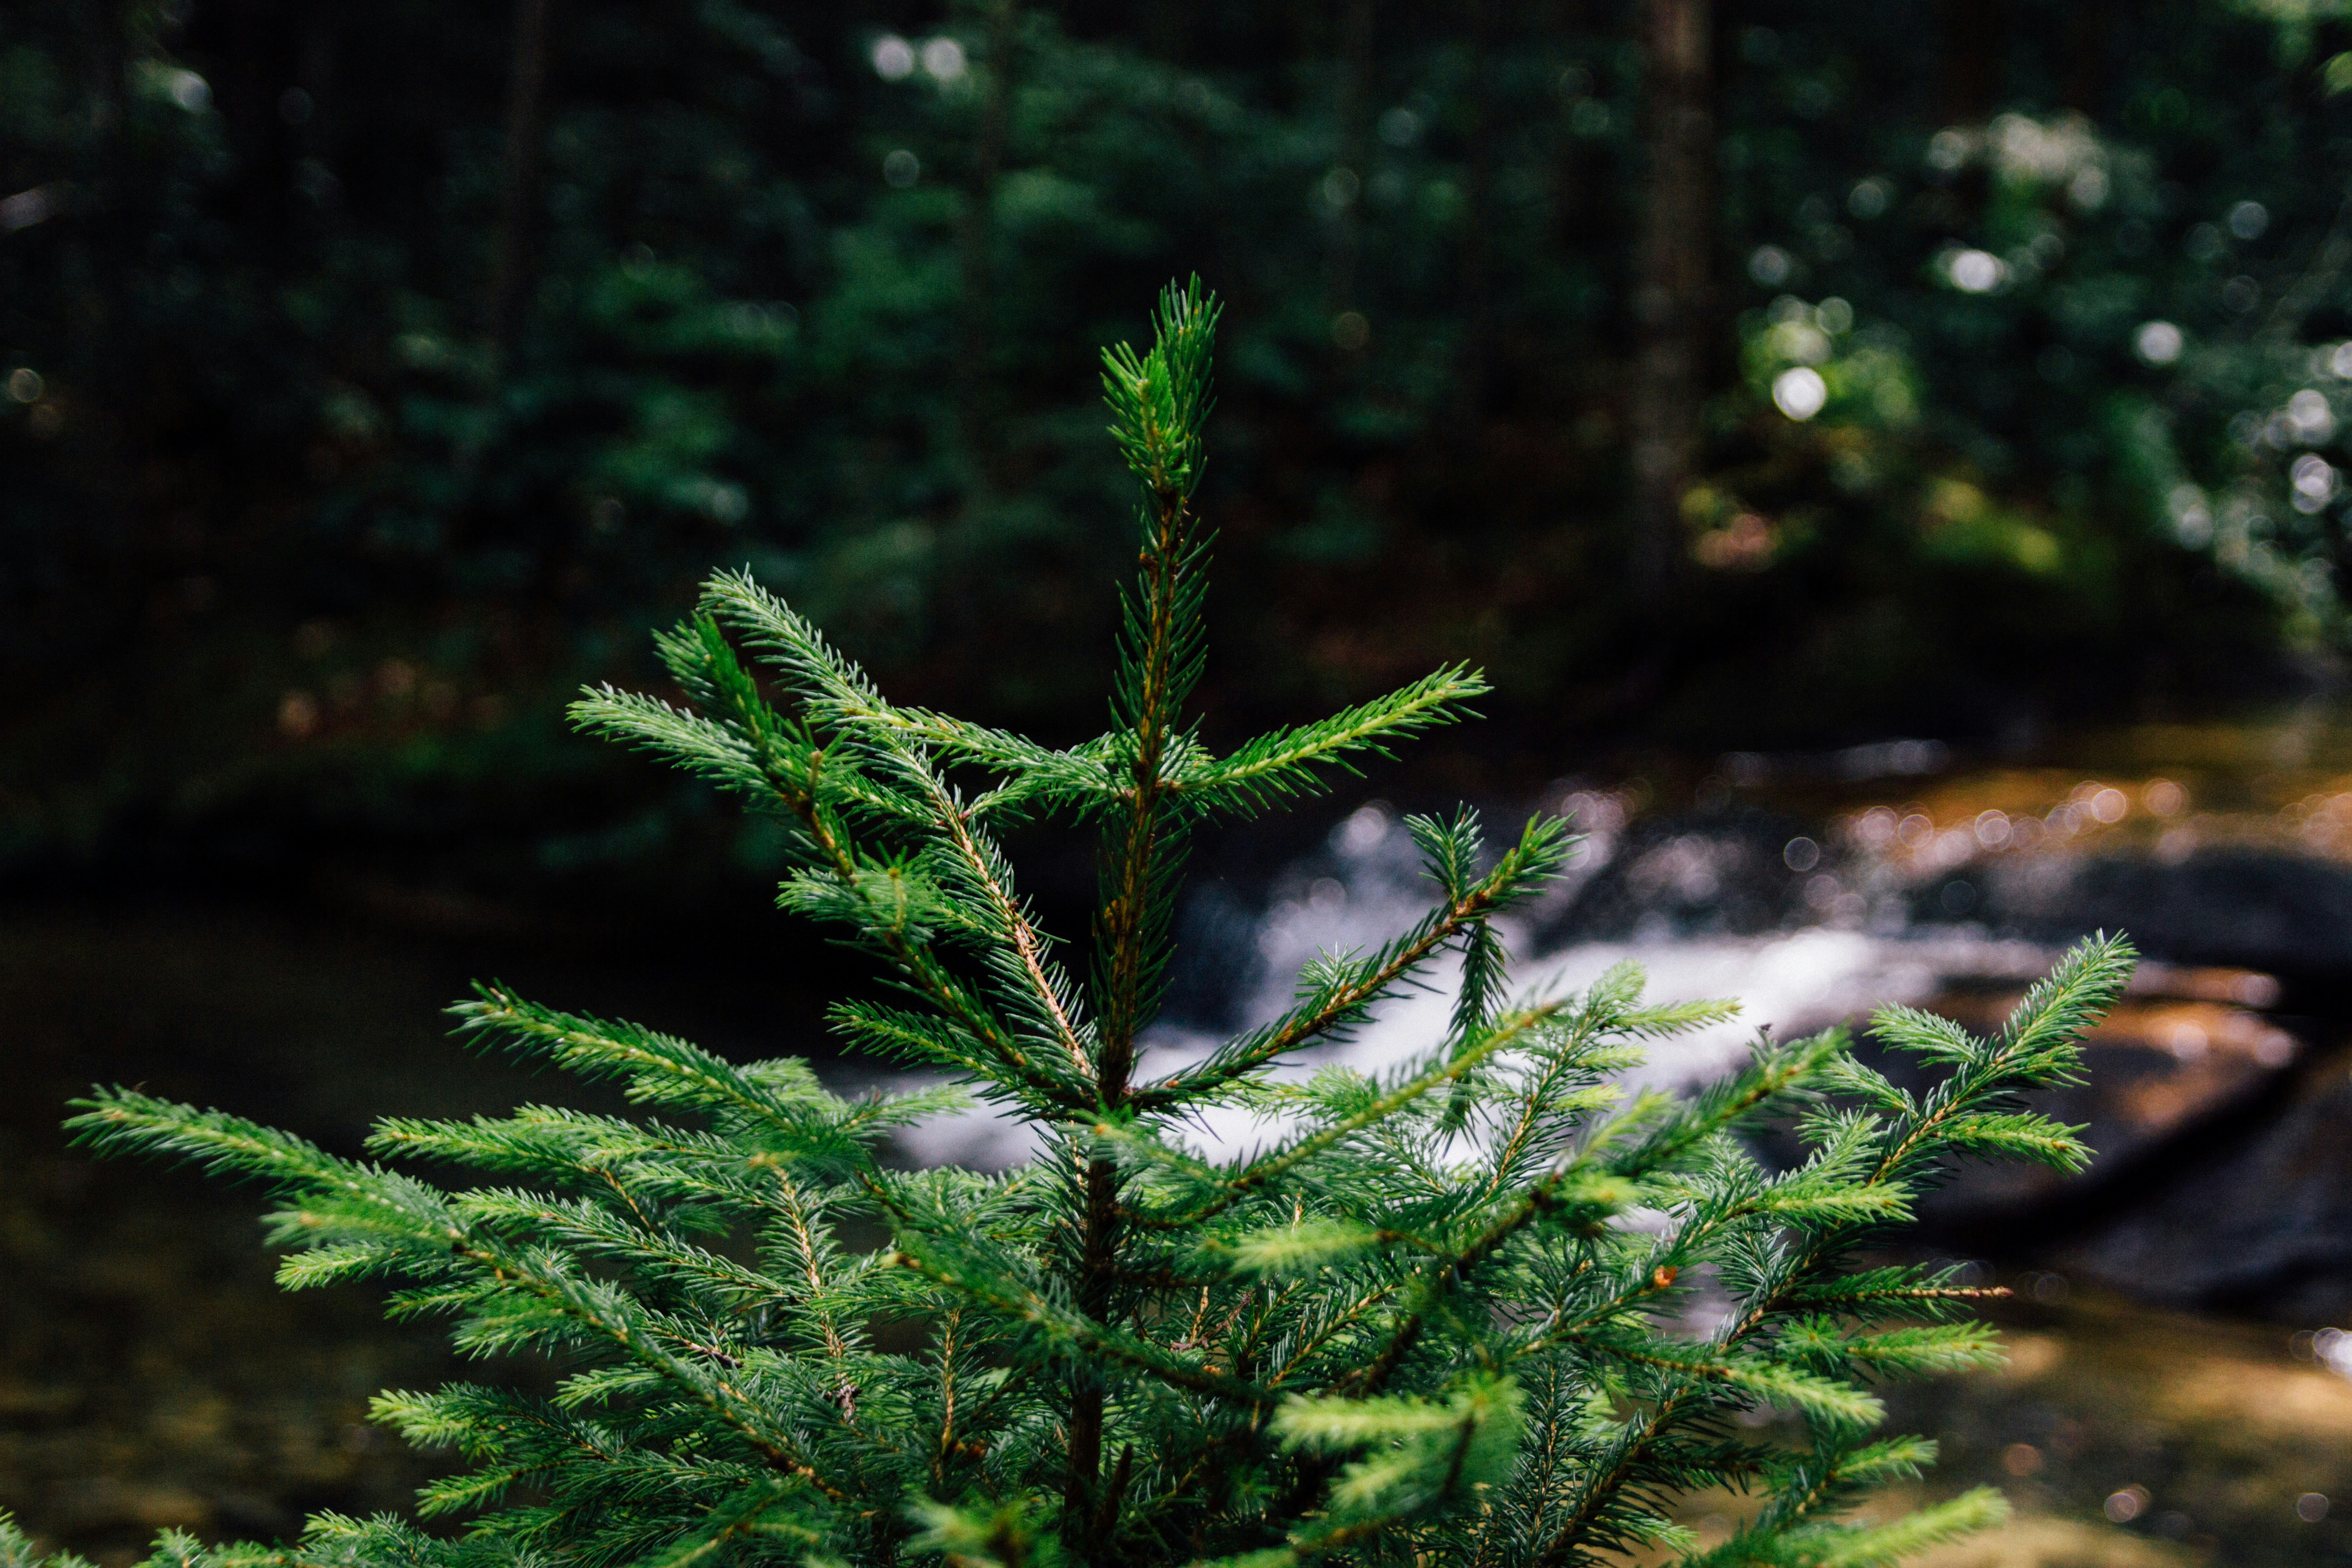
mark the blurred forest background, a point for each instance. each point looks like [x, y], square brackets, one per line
[1718, 373]
[1942, 407]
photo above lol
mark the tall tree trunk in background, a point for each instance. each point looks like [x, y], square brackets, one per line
[1478, 226]
[243, 94]
[1576, 172]
[1168, 31]
[1670, 294]
[2090, 33]
[1354, 112]
[519, 201]
[976, 253]
[1975, 34]
[314, 73]
[1975, 39]
[109, 61]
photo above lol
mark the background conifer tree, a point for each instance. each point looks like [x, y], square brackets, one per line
[1441, 1316]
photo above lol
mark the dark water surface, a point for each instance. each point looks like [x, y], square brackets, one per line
[150, 1372]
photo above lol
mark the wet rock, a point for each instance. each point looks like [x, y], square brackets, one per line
[2259, 1223]
[1734, 872]
[1217, 962]
[2180, 1053]
[2284, 915]
[2222, 1179]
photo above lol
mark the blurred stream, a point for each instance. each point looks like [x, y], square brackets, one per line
[2177, 1392]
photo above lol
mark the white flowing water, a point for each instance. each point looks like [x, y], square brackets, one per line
[1366, 885]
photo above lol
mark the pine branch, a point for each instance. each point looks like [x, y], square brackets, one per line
[2041, 1036]
[1344, 996]
[1282, 766]
[1260, 1174]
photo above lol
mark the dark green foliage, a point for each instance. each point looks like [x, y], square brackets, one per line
[1442, 1316]
[289, 540]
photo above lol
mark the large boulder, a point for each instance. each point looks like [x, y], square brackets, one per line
[2181, 1055]
[2285, 914]
[1725, 872]
[2261, 1222]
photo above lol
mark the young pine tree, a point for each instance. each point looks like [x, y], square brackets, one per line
[1440, 1318]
